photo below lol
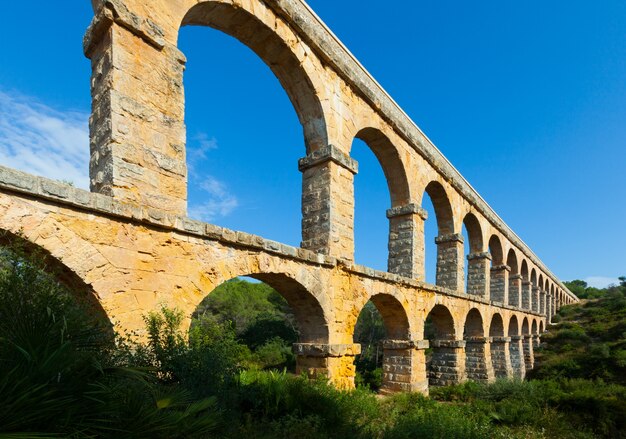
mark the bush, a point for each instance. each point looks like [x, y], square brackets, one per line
[59, 371]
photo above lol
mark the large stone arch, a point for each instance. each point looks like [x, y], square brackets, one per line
[402, 363]
[283, 57]
[402, 256]
[52, 261]
[477, 365]
[515, 279]
[498, 283]
[541, 292]
[446, 364]
[516, 350]
[500, 360]
[391, 163]
[526, 285]
[527, 344]
[449, 243]
[138, 89]
[477, 260]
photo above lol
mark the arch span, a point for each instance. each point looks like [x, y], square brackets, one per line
[477, 366]
[446, 365]
[82, 292]
[500, 360]
[275, 51]
[477, 261]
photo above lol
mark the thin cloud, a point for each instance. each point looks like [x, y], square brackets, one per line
[44, 141]
[216, 200]
[201, 145]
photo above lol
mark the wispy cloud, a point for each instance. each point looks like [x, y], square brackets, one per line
[44, 141]
[216, 199]
[601, 281]
[200, 146]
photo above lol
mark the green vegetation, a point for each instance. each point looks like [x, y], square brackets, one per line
[589, 339]
[62, 374]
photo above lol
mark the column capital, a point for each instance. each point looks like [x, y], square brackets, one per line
[451, 237]
[448, 344]
[526, 283]
[328, 153]
[500, 339]
[516, 337]
[515, 276]
[480, 255]
[477, 340]
[326, 350]
[407, 209]
[115, 12]
[502, 267]
[405, 344]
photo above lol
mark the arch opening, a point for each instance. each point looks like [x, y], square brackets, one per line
[499, 348]
[498, 283]
[439, 238]
[13, 245]
[383, 331]
[476, 266]
[248, 119]
[515, 279]
[262, 315]
[374, 193]
[273, 51]
[477, 368]
[516, 350]
[439, 330]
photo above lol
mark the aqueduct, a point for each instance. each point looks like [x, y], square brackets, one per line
[131, 245]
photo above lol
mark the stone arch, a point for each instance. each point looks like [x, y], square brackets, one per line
[444, 367]
[400, 245]
[541, 293]
[527, 345]
[82, 292]
[533, 327]
[443, 207]
[477, 368]
[442, 323]
[534, 288]
[391, 163]
[515, 279]
[541, 327]
[499, 347]
[449, 272]
[477, 261]
[272, 48]
[498, 283]
[513, 326]
[474, 325]
[475, 233]
[395, 317]
[310, 315]
[399, 356]
[516, 349]
[526, 286]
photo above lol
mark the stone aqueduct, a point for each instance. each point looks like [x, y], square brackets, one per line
[130, 245]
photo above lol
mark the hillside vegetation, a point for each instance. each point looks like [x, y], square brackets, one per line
[62, 374]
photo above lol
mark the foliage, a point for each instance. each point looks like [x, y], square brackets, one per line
[58, 373]
[62, 374]
[258, 317]
[589, 340]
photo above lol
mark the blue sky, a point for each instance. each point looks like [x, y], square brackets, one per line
[526, 99]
